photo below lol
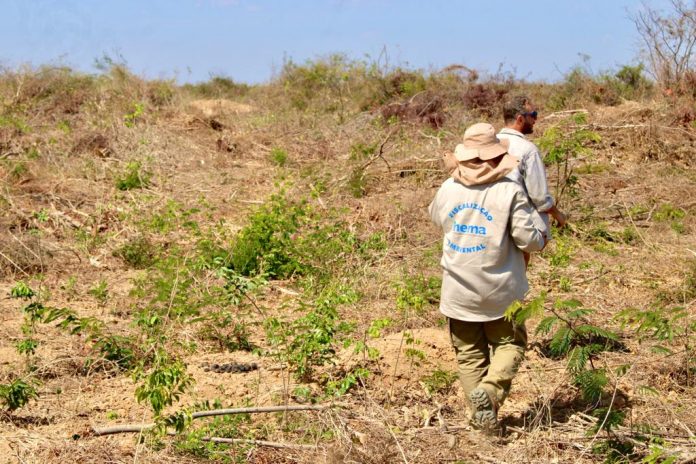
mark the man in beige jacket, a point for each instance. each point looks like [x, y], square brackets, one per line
[488, 222]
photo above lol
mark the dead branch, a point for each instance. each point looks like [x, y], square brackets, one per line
[139, 428]
[379, 154]
[559, 114]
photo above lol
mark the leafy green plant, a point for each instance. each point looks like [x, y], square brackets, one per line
[33, 313]
[373, 331]
[439, 381]
[574, 338]
[357, 182]
[562, 144]
[223, 328]
[22, 290]
[560, 254]
[361, 151]
[310, 341]
[133, 177]
[17, 394]
[130, 119]
[673, 215]
[659, 454]
[191, 442]
[163, 383]
[100, 291]
[666, 327]
[413, 354]
[14, 122]
[139, 253]
[417, 293]
[278, 156]
[265, 245]
[352, 379]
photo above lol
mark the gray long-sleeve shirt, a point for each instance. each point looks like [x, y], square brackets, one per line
[531, 167]
[486, 228]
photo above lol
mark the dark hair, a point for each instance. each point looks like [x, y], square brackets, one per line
[514, 106]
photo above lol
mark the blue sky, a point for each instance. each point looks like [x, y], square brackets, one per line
[247, 40]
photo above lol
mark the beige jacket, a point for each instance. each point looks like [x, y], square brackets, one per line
[486, 227]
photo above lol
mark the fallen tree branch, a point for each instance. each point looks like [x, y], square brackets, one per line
[563, 113]
[138, 428]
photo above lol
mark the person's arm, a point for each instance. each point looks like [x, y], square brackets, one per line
[535, 181]
[434, 210]
[538, 190]
[558, 215]
[526, 226]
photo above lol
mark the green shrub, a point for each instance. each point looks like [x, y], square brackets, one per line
[561, 144]
[100, 292]
[349, 381]
[417, 293]
[133, 177]
[163, 383]
[22, 290]
[17, 394]
[265, 245]
[135, 115]
[439, 381]
[278, 156]
[311, 340]
[218, 87]
[139, 253]
[357, 182]
[574, 338]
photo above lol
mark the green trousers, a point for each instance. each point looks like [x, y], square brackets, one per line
[488, 354]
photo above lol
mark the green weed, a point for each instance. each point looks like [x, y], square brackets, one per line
[17, 394]
[130, 119]
[163, 383]
[361, 151]
[14, 122]
[133, 177]
[278, 156]
[439, 381]
[23, 291]
[100, 291]
[265, 245]
[417, 293]
[192, 443]
[340, 387]
[563, 143]
[573, 338]
[138, 253]
[310, 341]
[357, 182]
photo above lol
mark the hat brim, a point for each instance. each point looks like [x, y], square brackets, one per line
[462, 153]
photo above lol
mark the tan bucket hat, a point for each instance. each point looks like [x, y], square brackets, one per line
[480, 142]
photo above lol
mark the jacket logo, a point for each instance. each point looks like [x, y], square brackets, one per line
[468, 229]
[474, 206]
[461, 249]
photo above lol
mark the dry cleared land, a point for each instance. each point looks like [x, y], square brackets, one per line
[165, 250]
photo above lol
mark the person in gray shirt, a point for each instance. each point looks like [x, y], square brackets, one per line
[487, 222]
[520, 116]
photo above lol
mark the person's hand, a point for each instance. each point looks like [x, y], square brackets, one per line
[561, 219]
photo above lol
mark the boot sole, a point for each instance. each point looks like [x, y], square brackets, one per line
[480, 400]
[486, 422]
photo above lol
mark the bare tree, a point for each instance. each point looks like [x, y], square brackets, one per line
[669, 41]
